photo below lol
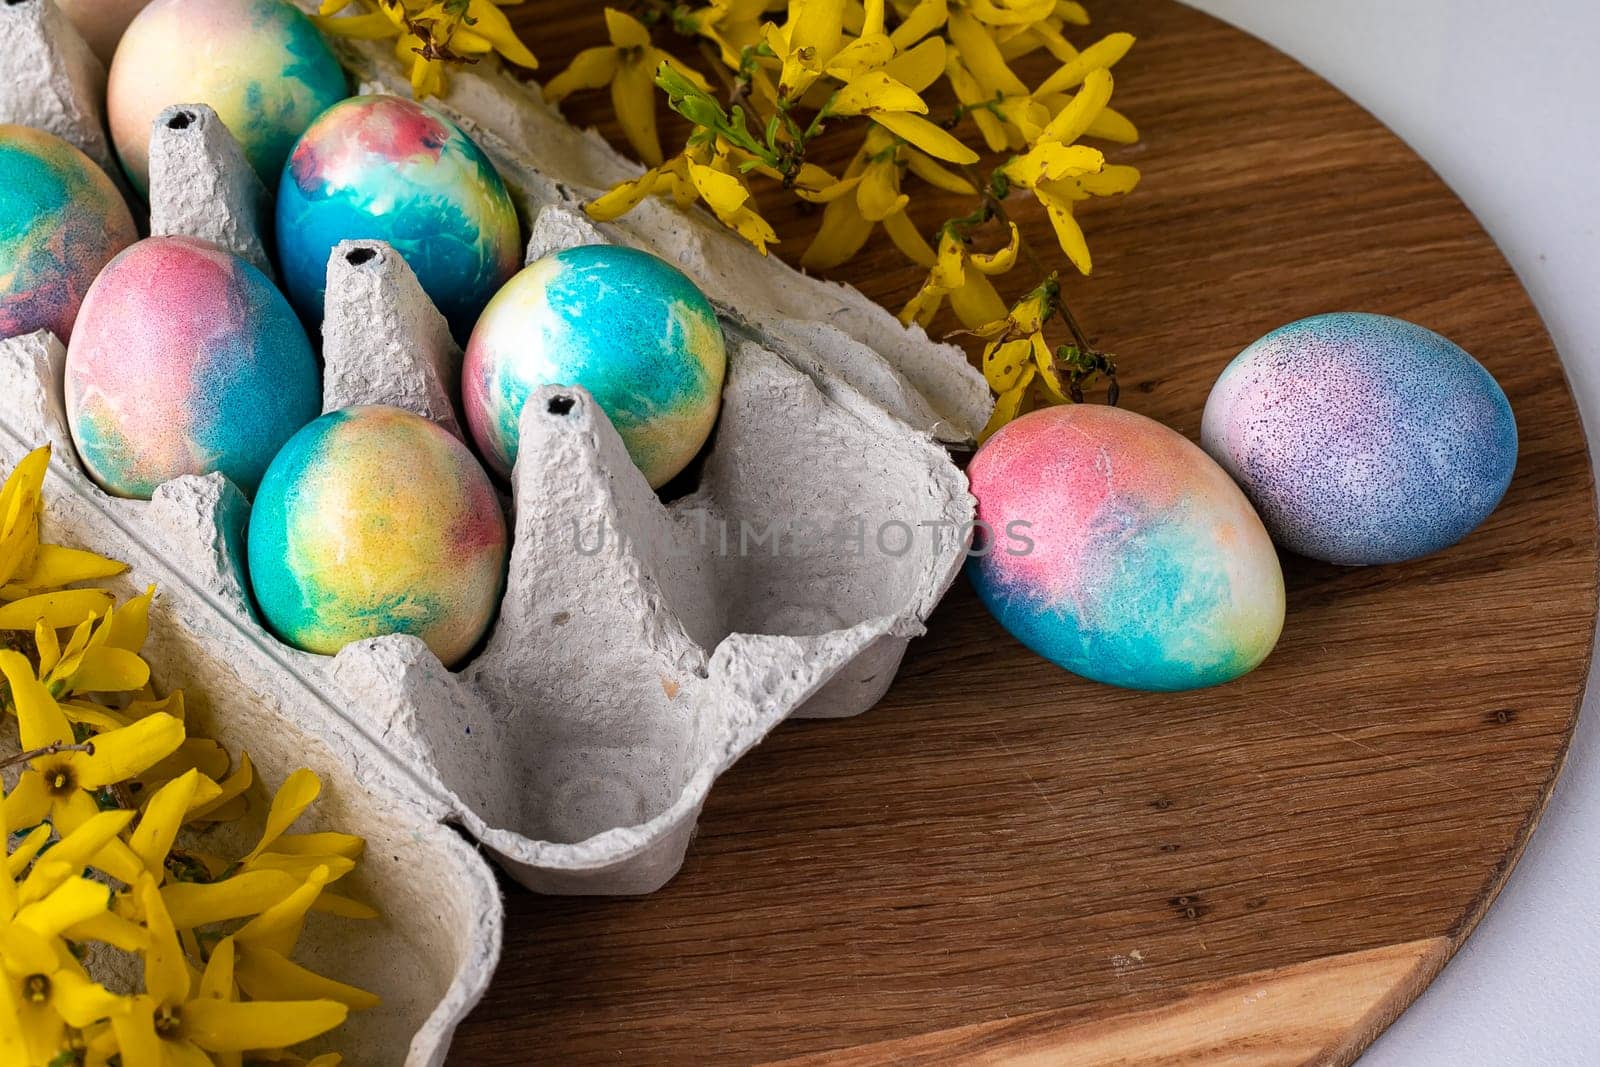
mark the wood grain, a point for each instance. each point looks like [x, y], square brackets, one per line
[999, 841]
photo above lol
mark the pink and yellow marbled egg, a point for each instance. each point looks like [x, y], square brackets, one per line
[259, 64]
[186, 360]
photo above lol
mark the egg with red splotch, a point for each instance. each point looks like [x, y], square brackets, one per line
[374, 521]
[259, 64]
[1363, 439]
[61, 220]
[1115, 548]
[186, 360]
[388, 169]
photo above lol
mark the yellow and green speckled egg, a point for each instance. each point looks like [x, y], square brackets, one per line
[61, 220]
[375, 521]
[259, 64]
[630, 328]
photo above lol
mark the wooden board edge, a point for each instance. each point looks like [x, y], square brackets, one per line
[1322, 1011]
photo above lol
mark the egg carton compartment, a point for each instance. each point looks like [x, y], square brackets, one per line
[431, 953]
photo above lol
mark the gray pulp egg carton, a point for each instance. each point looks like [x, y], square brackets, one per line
[641, 647]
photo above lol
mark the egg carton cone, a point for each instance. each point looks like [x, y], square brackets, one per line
[641, 646]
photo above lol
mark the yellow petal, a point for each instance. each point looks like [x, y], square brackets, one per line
[49, 647]
[591, 68]
[633, 97]
[1112, 125]
[82, 1002]
[124, 753]
[861, 55]
[999, 262]
[920, 67]
[489, 21]
[233, 788]
[137, 1044]
[296, 794]
[130, 623]
[268, 975]
[1045, 360]
[1051, 161]
[216, 982]
[321, 844]
[625, 31]
[56, 610]
[28, 802]
[879, 194]
[1009, 404]
[1003, 363]
[1076, 118]
[982, 56]
[937, 176]
[909, 240]
[55, 566]
[724, 193]
[842, 234]
[923, 134]
[166, 974]
[278, 927]
[79, 849]
[162, 818]
[112, 930]
[219, 1026]
[927, 16]
[1114, 180]
[109, 670]
[194, 904]
[1068, 233]
[70, 903]
[976, 302]
[39, 720]
[813, 39]
[875, 92]
[1099, 56]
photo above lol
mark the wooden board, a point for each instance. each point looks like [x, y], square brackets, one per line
[1004, 863]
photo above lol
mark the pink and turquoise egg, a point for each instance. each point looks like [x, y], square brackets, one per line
[61, 221]
[259, 64]
[386, 169]
[186, 360]
[628, 327]
[374, 521]
[1116, 549]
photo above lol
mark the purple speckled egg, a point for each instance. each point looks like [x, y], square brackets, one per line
[61, 220]
[186, 360]
[1363, 439]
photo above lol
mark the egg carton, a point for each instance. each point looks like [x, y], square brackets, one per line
[641, 646]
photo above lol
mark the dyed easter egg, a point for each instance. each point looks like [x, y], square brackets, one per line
[61, 220]
[1115, 548]
[186, 360]
[1363, 439]
[375, 521]
[259, 64]
[625, 325]
[387, 169]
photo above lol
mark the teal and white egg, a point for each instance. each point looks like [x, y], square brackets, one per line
[626, 326]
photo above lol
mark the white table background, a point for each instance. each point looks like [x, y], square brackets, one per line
[1502, 97]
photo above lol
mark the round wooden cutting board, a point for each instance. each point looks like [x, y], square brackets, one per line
[1003, 862]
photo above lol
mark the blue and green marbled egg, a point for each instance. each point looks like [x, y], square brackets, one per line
[374, 521]
[628, 327]
[386, 169]
[61, 221]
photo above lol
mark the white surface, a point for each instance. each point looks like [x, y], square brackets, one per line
[1500, 99]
